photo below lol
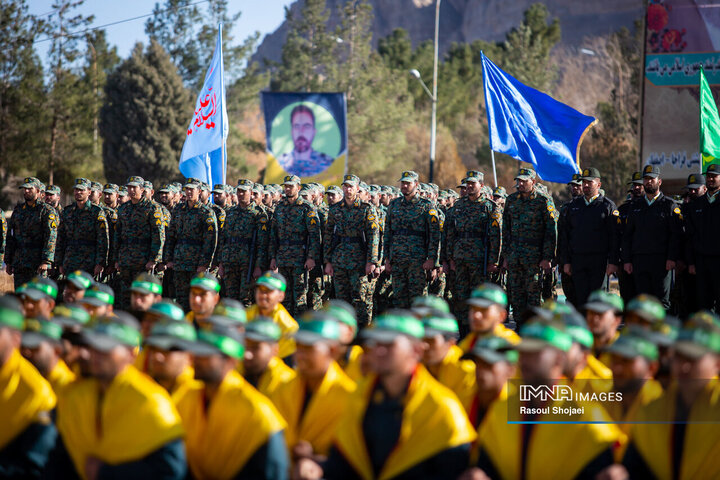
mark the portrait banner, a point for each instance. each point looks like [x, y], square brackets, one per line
[306, 135]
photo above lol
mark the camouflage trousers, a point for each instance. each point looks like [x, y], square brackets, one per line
[297, 288]
[468, 276]
[236, 283]
[409, 280]
[437, 287]
[524, 287]
[351, 285]
[382, 296]
[181, 279]
[127, 275]
[315, 288]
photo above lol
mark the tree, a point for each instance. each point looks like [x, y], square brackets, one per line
[143, 122]
[23, 120]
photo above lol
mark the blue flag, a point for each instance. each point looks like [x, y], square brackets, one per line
[204, 155]
[531, 126]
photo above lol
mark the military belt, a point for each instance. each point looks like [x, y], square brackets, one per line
[471, 234]
[239, 239]
[187, 241]
[291, 242]
[408, 232]
[344, 239]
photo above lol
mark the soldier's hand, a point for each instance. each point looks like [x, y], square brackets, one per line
[221, 271]
[306, 469]
[273, 265]
[680, 266]
[329, 269]
[428, 265]
[567, 269]
[61, 270]
[160, 267]
[309, 264]
[257, 272]
[492, 267]
[670, 265]
[692, 270]
[369, 268]
[170, 265]
[611, 269]
[628, 268]
[545, 265]
[613, 472]
[473, 474]
[43, 268]
[149, 266]
[98, 270]
[388, 267]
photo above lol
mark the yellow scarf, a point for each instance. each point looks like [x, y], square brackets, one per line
[456, 374]
[557, 451]
[595, 369]
[60, 376]
[433, 421]
[701, 454]
[276, 374]
[287, 324]
[318, 424]
[25, 398]
[183, 382]
[222, 439]
[134, 418]
[353, 366]
[500, 330]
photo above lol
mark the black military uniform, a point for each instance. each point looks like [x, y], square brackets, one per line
[588, 240]
[567, 280]
[651, 238]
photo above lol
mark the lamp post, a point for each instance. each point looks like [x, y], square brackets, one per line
[433, 95]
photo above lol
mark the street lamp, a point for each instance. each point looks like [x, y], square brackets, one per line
[433, 95]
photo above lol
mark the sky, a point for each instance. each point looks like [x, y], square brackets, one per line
[257, 15]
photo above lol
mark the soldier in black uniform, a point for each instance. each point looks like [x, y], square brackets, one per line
[684, 295]
[567, 281]
[588, 251]
[702, 223]
[651, 240]
[625, 280]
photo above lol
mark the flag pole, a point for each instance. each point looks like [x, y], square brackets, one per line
[492, 154]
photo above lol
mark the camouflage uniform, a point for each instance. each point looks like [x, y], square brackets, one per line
[191, 244]
[352, 234]
[112, 218]
[139, 239]
[316, 282]
[294, 238]
[529, 235]
[382, 295]
[473, 242]
[412, 236]
[3, 235]
[82, 238]
[243, 247]
[32, 234]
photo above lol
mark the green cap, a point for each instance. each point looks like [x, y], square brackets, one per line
[647, 307]
[493, 349]
[232, 309]
[263, 329]
[319, 327]
[146, 283]
[342, 312]
[217, 338]
[70, 315]
[205, 281]
[525, 174]
[168, 311]
[425, 304]
[109, 332]
[41, 287]
[634, 343]
[488, 294]
[167, 335]
[590, 173]
[272, 280]
[601, 301]
[80, 279]
[441, 323]
[700, 335]
[99, 295]
[409, 176]
[537, 335]
[576, 326]
[291, 180]
[38, 331]
[11, 313]
[392, 324]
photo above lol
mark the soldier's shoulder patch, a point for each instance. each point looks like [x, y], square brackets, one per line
[677, 211]
[496, 214]
[209, 220]
[101, 217]
[312, 213]
[158, 222]
[616, 213]
[433, 212]
[373, 226]
[263, 219]
[157, 214]
[370, 217]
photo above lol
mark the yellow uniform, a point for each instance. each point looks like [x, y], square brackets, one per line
[287, 324]
[500, 330]
[456, 374]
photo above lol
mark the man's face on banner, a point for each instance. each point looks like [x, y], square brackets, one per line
[303, 131]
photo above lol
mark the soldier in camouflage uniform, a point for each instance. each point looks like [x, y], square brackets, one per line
[110, 198]
[316, 287]
[243, 245]
[352, 247]
[529, 239]
[473, 242]
[139, 237]
[82, 242]
[123, 195]
[411, 241]
[32, 234]
[439, 283]
[52, 198]
[294, 244]
[3, 235]
[191, 241]
[168, 195]
[549, 278]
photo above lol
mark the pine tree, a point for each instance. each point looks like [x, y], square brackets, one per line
[144, 120]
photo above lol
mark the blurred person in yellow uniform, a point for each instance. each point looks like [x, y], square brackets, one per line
[401, 423]
[162, 311]
[168, 362]
[580, 363]
[75, 286]
[676, 435]
[488, 310]
[313, 402]
[603, 313]
[349, 356]
[38, 297]
[42, 346]
[73, 318]
[269, 293]
[538, 447]
[204, 297]
[118, 423]
[443, 358]
[98, 300]
[262, 367]
[232, 309]
[233, 431]
[145, 291]
[27, 434]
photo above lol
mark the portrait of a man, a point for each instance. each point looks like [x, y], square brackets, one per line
[303, 161]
